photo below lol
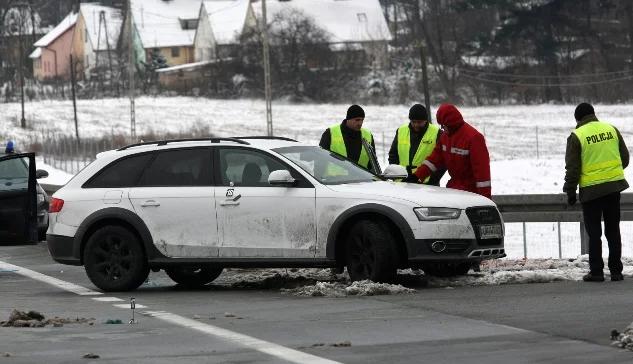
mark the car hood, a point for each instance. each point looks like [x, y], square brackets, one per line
[423, 195]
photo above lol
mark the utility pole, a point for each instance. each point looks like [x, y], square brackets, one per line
[267, 86]
[105, 26]
[131, 70]
[73, 80]
[21, 30]
[425, 78]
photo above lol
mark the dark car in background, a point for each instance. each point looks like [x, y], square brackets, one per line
[23, 202]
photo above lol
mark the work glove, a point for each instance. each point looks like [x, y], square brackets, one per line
[412, 178]
[571, 198]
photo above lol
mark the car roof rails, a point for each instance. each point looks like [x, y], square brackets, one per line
[268, 137]
[165, 142]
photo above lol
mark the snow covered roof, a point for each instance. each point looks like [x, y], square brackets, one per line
[113, 21]
[158, 22]
[37, 53]
[227, 18]
[344, 20]
[69, 21]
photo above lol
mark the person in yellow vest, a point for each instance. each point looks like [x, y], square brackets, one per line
[595, 160]
[414, 142]
[345, 139]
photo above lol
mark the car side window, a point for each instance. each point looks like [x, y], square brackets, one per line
[14, 174]
[179, 168]
[246, 168]
[124, 172]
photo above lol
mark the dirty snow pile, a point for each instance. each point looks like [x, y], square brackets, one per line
[624, 339]
[358, 288]
[36, 319]
[510, 271]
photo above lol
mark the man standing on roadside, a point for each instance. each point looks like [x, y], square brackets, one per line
[345, 139]
[462, 151]
[414, 142]
[595, 160]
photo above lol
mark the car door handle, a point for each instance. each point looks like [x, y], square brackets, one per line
[150, 203]
[231, 201]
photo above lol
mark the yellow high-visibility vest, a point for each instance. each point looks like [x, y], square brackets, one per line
[427, 144]
[600, 154]
[337, 144]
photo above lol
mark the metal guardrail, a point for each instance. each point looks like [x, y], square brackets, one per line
[552, 208]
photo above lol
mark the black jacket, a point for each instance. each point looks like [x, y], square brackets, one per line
[352, 139]
[573, 164]
[415, 140]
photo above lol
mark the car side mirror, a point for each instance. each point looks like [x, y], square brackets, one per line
[40, 173]
[281, 177]
[395, 171]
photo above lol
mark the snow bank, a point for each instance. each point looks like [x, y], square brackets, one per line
[323, 283]
[55, 177]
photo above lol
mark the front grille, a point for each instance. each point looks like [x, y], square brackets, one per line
[484, 216]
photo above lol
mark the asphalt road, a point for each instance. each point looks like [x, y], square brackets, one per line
[563, 322]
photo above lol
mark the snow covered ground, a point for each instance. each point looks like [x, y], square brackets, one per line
[322, 283]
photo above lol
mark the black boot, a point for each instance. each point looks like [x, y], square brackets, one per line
[617, 277]
[593, 277]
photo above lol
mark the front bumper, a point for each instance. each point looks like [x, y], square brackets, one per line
[62, 249]
[454, 250]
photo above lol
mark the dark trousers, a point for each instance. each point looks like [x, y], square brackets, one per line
[607, 207]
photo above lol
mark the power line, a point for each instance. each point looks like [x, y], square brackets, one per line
[512, 75]
[574, 84]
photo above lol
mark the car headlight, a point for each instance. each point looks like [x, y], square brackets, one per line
[436, 213]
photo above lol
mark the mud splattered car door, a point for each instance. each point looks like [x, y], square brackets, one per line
[18, 198]
[258, 219]
[175, 198]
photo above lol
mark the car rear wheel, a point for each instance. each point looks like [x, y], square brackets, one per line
[114, 259]
[371, 252]
[193, 276]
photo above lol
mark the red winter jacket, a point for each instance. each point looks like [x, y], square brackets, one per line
[462, 151]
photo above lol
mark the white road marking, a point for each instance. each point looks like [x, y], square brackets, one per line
[127, 305]
[107, 299]
[276, 350]
[67, 286]
[266, 347]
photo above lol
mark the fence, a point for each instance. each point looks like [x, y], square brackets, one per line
[551, 208]
[65, 153]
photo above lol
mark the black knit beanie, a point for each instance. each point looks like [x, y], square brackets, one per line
[355, 111]
[583, 110]
[418, 112]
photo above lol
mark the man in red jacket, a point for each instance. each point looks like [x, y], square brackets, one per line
[462, 151]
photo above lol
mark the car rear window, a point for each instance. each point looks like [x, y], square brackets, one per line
[188, 167]
[121, 173]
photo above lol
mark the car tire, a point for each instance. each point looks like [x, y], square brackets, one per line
[371, 252]
[114, 259]
[193, 276]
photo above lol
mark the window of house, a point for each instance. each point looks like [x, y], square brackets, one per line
[362, 17]
[175, 51]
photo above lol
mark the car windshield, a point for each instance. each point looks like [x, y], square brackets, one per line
[327, 167]
[14, 174]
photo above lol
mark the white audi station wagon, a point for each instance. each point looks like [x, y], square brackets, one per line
[194, 207]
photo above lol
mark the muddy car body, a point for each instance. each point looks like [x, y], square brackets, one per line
[195, 207]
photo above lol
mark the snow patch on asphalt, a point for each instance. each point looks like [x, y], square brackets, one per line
[624, 339]
[359, 288]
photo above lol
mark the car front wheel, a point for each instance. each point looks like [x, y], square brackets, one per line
[114, 259]
[371, 252]
[193, 276]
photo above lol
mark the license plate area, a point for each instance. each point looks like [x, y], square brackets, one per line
[490, 231]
